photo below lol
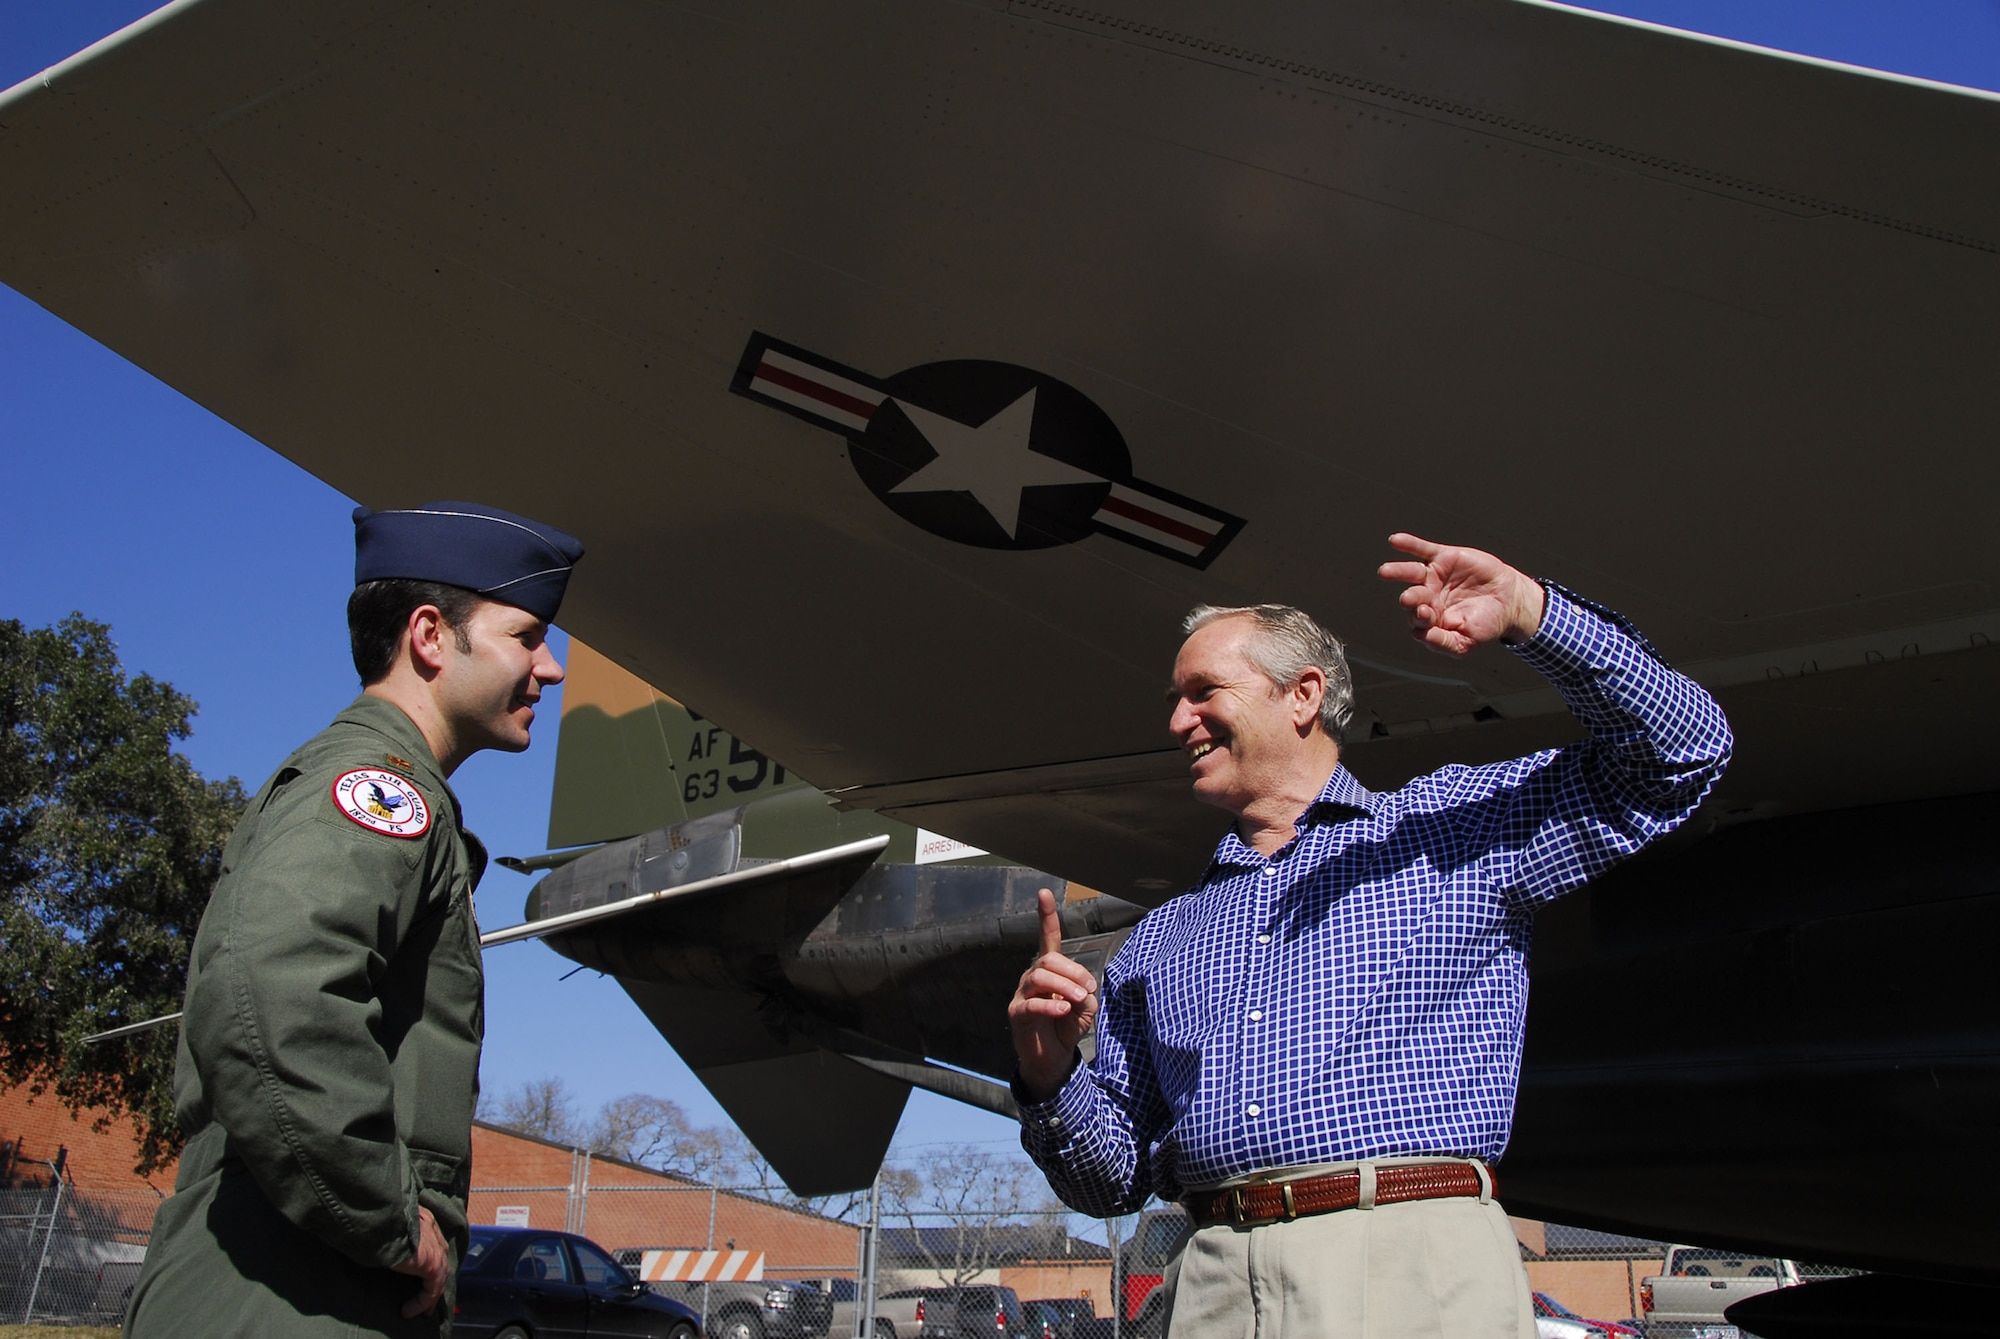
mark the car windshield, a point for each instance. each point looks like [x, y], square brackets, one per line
[1557, 1308]
[475, 1250]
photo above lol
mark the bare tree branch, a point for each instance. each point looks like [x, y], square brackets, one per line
[979, 1206]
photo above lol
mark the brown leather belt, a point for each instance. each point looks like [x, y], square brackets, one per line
[1260, 1202]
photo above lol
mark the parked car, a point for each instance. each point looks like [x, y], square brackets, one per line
[1136, 1284]
[1551, 1327]
[973, 1311]
[1546, 1305]
[763, 1309]
[1059, 1317]
[844, 1294]
[1687, 1298]
[69, 1275]
[519, 1282]
[903, 1309]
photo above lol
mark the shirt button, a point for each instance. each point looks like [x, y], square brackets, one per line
[1252, 1110]
[1270, 870]
[1263, 939]
[1256, 1015]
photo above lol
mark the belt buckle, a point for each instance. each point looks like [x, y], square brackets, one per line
[1239, 1212]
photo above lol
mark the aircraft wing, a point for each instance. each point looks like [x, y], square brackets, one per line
[807, 992]
[687, 954]
[823, 1121]
[910, 368]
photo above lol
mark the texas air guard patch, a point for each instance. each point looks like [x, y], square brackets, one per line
[382, 802]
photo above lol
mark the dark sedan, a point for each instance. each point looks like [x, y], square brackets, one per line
[1058, 1317]
[525, 1283]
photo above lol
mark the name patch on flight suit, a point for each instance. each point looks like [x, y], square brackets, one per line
[382, 802]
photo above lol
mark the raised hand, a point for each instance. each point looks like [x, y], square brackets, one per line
[1053, 1008]
[1462, 598]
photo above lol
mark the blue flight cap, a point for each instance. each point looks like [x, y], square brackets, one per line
[488, 551]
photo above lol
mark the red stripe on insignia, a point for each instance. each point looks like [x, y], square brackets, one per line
[826, 395]
[1118, 506]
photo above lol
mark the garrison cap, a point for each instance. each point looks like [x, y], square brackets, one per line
[491, 552]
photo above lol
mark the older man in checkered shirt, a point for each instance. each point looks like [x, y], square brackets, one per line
[1316, 1048]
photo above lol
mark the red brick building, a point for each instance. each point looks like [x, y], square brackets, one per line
[543, 1184]
[522, 1179]
[616, 1204]
[33, 1129]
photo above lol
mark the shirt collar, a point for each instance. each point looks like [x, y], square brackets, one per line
[1341, 798]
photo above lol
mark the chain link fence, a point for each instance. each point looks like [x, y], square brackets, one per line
[71, 1256]
[723, 1219]
[1601, 1275]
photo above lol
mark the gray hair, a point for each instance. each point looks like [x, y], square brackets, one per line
[1287, 642]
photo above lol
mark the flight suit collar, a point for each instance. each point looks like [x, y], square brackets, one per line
[405, 749]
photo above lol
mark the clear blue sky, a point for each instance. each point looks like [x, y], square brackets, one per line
[224, 569]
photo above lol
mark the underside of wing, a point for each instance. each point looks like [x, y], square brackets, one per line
[909, 370]
[809, 994]
[944, 355]
[822, 1121]
[1716, 1037]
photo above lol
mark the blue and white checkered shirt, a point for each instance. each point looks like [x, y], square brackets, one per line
[1361, 993]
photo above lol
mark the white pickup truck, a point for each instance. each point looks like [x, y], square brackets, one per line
[895, 1314]
[1687, 1299]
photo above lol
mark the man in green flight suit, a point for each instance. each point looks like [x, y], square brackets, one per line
[329, 1056]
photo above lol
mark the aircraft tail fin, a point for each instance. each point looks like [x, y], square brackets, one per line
[630, 759]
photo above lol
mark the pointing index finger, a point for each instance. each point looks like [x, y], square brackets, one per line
[1051, 922]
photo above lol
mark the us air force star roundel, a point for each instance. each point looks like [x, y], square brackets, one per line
[383, 802]
[985, 453]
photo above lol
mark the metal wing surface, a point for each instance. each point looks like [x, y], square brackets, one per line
[688, 960]
[1702, 330]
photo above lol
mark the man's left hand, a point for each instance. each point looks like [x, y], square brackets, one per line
[1462, 598]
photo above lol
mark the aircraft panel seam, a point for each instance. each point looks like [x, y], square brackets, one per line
[1459, 111]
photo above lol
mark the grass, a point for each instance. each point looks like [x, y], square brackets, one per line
[58, 1332]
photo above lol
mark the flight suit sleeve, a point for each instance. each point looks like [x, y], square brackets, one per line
[284, 1023]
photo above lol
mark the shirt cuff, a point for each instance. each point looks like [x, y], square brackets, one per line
[1573, 638]
[1047, 1125]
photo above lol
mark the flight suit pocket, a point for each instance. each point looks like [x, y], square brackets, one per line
[443, 1190]
[436, 1171]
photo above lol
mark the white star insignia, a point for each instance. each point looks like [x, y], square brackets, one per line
[992, 461]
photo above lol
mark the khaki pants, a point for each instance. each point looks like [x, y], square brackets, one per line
[1424, 1269]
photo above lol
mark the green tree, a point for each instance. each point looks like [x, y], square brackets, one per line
[109, 845]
